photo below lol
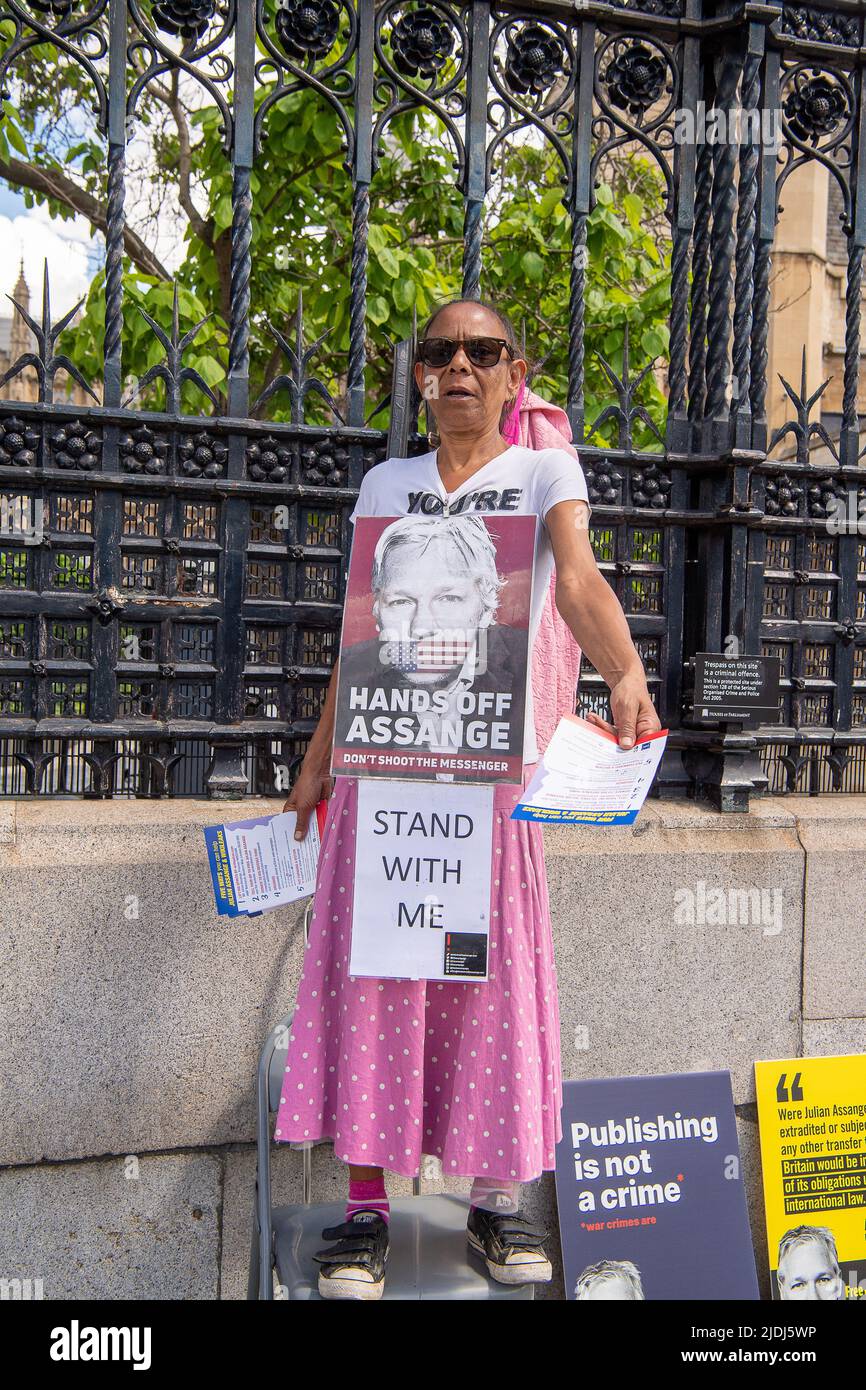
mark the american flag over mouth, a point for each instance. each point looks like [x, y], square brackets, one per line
[441, 652]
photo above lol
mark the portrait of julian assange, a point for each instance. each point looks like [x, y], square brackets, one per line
[441, 674]
[612, 1281]
[808, 1267]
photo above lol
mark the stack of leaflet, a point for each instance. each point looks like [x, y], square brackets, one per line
[257, 865]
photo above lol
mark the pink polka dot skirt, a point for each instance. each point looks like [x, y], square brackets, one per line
[394, 1069]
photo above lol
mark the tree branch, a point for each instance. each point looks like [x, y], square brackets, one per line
[202, 226]
[51, 183]
[532, 313]
[430, 241]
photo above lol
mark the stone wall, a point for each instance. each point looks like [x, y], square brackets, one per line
[131, 1014]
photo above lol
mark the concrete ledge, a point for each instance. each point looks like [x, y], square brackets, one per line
[125, 831]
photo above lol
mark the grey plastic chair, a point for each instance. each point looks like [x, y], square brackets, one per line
[429, 1256]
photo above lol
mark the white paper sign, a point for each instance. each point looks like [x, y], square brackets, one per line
[586, 778]
[422, 881]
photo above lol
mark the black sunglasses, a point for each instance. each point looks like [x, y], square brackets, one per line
[482, 352]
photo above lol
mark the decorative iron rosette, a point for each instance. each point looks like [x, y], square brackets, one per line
[142, 451]
[421, 43]
[603, 482]
[782, 496]
[188, 19]
[532, 71]
[635, 79]
[820, 26]
[106, 605]
[823, 498]
[75, 445]
[817, 107]
[268, 461]
[202, 456]
[307, 28]
[667, 9]
[19, 445]
[325, 465]
[535, 58]
[650, 487]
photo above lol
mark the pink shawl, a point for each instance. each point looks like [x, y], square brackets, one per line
[538, 424]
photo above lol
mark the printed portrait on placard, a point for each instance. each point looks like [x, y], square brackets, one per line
[443, 671]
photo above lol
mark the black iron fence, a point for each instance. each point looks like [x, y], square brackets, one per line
[170, 608]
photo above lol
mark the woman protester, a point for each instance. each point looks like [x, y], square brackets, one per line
[468, 1072]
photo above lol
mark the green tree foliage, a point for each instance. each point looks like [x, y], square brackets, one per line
[301, 239]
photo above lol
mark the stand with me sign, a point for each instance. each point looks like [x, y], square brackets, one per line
[421, 907]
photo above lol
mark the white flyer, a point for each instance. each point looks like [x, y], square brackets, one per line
[421, 907]
[585, 777]
[257, 864]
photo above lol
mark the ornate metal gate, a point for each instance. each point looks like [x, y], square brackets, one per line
[163, 633]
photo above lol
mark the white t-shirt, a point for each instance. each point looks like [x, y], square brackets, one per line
[520, 481]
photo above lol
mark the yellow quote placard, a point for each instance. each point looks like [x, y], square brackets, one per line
[812, 1119]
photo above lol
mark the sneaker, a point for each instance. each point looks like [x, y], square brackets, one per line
[510, 1246]
[355, 1266]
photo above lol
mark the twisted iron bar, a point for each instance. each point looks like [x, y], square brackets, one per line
[679, 309]
[114, 228]
[724, 201]
[852, 335]
[760, 327]
[242, 231]
[747, 222]
[700, 275]
[358, 302]
[472, 234]
[577, 319]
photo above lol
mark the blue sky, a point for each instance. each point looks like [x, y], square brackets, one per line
[11, 203]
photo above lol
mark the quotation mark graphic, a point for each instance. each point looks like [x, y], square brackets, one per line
[782, 1089]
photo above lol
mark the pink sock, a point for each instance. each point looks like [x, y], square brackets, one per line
[368, 1195]
[501, 1197]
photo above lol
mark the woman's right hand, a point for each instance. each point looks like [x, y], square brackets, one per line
[310, 788]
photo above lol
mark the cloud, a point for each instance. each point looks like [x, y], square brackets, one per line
[70, 248]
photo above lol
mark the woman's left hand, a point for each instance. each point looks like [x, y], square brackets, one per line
[633, 711]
